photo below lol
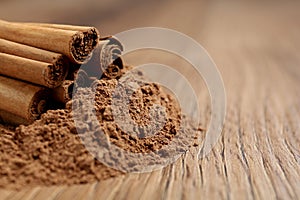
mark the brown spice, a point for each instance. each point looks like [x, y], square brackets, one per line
[50, 151]
[32, 64]
[63, 93]
[21, 100]
[33, 71]
[75, 42]
[106, 59]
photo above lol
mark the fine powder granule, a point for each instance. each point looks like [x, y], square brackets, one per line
[51, 151]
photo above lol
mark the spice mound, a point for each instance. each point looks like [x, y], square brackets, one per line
[51, 151]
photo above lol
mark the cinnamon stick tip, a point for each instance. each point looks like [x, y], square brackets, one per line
[82, 45]
[57, 72]
[39, 104]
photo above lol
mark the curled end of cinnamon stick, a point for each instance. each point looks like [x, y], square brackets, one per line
[112, 71]
[107, 57]
[56, 73]
[82, 45]
[110, 50]
[63, 93]
[38, 105]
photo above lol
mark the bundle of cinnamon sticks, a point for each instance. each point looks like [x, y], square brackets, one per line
[39, 63]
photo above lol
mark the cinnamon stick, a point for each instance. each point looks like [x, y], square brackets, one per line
[21, 99]
[50, 75]
[41, 73]
[63, 93]
[63, 26]
[112, 71]
[33, 53]
[9, 118]
[77, 45]
[106, 59]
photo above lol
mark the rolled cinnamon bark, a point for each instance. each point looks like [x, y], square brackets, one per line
[77, 45]
[64, 27]
[9, 118]
[106, 59]
[51, 76]
[41, 73]
[112, 71]
[33, 53]
[63, 93]
[21, 99]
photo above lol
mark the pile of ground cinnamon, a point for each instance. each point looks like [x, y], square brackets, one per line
[51, 152]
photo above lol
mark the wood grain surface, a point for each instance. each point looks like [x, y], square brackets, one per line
[256, 46]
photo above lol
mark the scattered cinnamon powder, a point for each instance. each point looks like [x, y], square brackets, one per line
[51, 152]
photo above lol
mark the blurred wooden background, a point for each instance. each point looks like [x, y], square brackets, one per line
[256, 46]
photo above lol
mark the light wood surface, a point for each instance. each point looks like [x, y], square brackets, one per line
[256, 46]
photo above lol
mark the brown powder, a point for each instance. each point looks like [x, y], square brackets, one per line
[51, 152]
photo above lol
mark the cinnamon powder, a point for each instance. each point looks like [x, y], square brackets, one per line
[51, 152]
